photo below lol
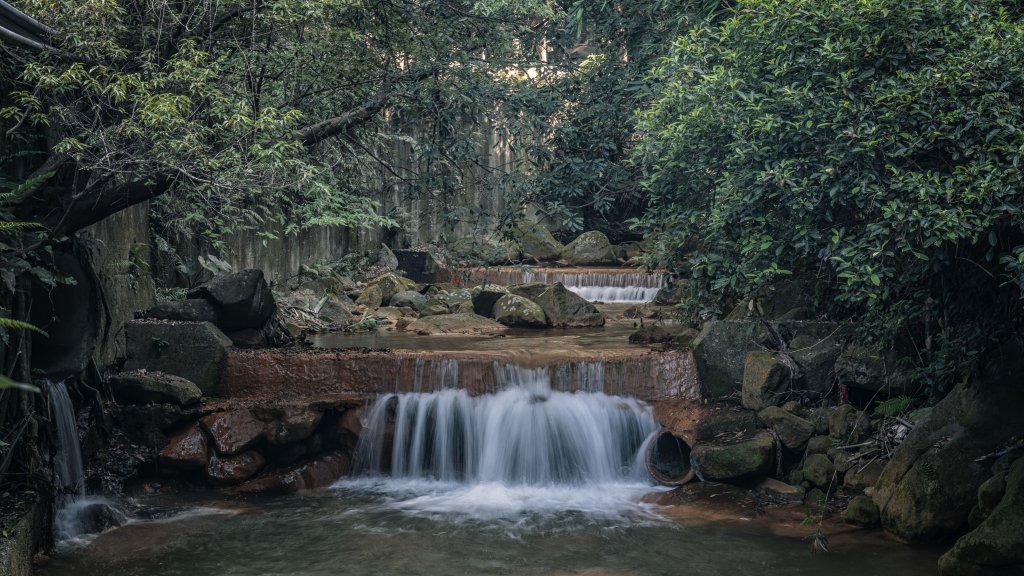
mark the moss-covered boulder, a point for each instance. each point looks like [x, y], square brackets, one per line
[589, 249]
[862, 511]
[371, 297]
[529, 290]
[564, 309]
[998, 542]
[767, 379]
[512, 310]
[408, 299]
[537, 243]
[742, 461]
[864, 368]
[391, 284]
[433, 307]
[452, 298]
[457, 324]
[144, 387]
[195, 351]
[819, 471]
[792, 430]
[930, 485]
[485, 297]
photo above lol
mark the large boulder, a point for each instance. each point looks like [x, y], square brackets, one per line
[391, 284]
[452, 298]
[589, 249]
[564, 309]
[143, 387]
[820, 471]
[767, 379]
[191, 310]
[408, 299]
[816, 358]
[512, 310]
[998, 542]
[792, 430]
[930, 485]
[866, 369]
[742, 461]
[233, 431]
[372, 296]
[537, 243]
[529, 290]
[195, 351]
[861, 511]
[186, 450]
[420, 265]
[485, 297]
[244, 299]
[462, 323]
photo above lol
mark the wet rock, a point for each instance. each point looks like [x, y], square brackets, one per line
[191, 310]
[195, 351]
[408, 299]
[766, 380]
[233, 431]
[186, 450]
[998, 542]
[143, 387]
[537, 243]
[461, 323]
[230, 470]
[391, 284]
[372, 297]
[726, 425]
[433, 307]
[565, 309]
[819, 471]
[741, 461]
[148, 425]
[512, 310]
[419, 265]
[780, 490]
[819, 445]
[589, 249]
[792, 430]
[292, 424]
[318, 473]
[861, 511]
[244, 299]
[98, 517]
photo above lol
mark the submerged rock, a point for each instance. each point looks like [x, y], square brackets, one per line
[143, 387]
[589, 249]
[196, 351]
[512, 310]
[565, 309]
[461, 323]
[244, 299]
[186, 450]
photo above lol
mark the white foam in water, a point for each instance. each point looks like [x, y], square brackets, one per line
[526, 448]
[615, 294]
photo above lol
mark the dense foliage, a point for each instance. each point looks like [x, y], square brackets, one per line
[869, 149]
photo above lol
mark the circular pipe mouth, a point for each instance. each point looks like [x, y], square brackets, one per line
[668, 459]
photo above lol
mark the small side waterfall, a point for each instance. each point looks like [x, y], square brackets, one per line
[524, 434]
[618, 285]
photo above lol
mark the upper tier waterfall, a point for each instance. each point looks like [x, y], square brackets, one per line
[613, 285]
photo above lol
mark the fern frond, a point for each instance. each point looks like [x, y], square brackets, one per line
[7, 226]
[6, 382]
[12, 324]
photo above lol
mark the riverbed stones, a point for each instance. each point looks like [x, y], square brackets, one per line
[819, 471]
[318, 473]
[740, 461]
[589, 249]
[537, 243]
[819, 445]
[143, 387]
[862, 511]
[461, 323]
[766, 379]
[433, 307]
[244, 299]
[861, 476]
[512, 310]
[228, 470]
[792, 430]
[186, 450]
[408, 299]
[998, 542]
[391, 284]
[195, 351]
[190, 310]
[564, 309]
[291, 424]
[233, 431]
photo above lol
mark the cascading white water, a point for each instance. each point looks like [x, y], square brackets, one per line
[623, 286]
[525, 434]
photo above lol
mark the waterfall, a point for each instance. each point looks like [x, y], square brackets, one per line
[67, 464]
[524, 434]
[619, 285]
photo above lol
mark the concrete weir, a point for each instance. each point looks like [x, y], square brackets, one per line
[641, 374]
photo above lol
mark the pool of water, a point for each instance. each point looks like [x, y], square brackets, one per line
[384, 527]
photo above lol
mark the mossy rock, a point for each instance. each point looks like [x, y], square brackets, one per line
[512, 310]
[862, 511]
[371, 297]
[743, 461]
[564, 309]
[391, 284]
[457, 324]
[766, 380]
[819, 471]
[589, 249]
[792, 430]
[537, 243]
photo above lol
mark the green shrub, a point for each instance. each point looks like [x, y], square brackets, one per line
[870, 148]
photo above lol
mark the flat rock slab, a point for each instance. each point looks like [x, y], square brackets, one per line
[457, 324]
[142, 387]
